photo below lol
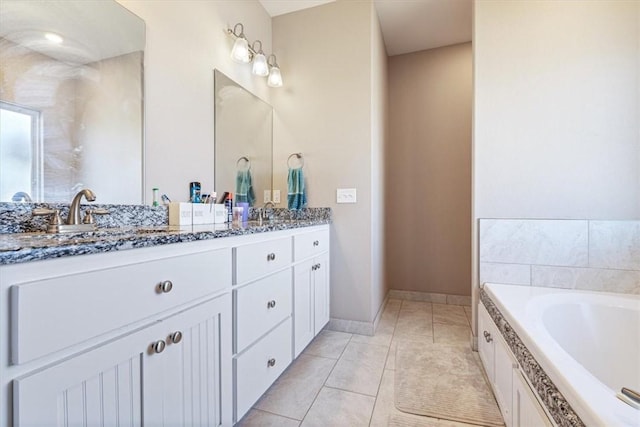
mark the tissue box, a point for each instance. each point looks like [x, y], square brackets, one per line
[180, 213]
[219, 214]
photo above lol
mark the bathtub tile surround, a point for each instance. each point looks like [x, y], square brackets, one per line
[614, 244]
[551, 398]
[571, 254]
[548, 242]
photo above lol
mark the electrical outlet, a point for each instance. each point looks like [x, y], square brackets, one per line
[267, 196]
[346, 195]
[276, 196]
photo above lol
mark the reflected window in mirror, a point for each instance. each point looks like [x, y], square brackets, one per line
[77, 64]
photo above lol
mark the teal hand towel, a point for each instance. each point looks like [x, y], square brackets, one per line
[244, 188]
[297, 194]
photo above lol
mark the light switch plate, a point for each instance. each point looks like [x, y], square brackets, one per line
[346, 195]
[267, 196]
[276, 196]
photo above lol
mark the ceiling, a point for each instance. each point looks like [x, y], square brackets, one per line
[407, 25]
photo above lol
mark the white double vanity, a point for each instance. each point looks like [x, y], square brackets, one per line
[178, 334]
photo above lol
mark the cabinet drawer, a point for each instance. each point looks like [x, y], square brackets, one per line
[258, 259]
[84, 305]
[310, 244]
[254, 373]
[260, 306]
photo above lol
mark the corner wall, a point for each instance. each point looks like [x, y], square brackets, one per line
[330, 109]
[428, 166]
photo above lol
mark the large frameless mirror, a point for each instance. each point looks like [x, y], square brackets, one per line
[243, 142]
[71, 101]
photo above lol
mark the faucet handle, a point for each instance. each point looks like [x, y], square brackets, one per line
[88, 217]
[55, 215]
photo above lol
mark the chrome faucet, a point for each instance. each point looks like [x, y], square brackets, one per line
[73, 222]
[264, 210]
[74, 209]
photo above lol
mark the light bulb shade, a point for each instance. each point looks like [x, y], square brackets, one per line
[240, 51]
[275, 78]
[260, 67]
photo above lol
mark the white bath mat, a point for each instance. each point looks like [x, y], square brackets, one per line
[443, 381]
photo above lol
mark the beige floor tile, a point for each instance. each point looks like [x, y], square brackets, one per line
[391, 357]
[415, 307]
[329, 344]
[469, 314]
[449, 315]
[294, 392]
[451, 334]
[359, 369]
[338, 408]
[257, 418]
[415, 327]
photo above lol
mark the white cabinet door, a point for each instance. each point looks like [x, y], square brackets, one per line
[187, 383]
[503, 376]
[486, 332]
[527, 412]
[303, 295]
[321, 292]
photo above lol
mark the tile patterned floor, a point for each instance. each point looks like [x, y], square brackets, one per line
[347, 380]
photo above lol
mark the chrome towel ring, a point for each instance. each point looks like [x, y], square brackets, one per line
[244, 160]
[296, 156]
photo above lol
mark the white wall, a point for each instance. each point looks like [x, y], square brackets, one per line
[556, 110]
[186, 40]
[330, 60]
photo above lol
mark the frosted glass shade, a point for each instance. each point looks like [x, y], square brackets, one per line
[275, 78]
[260, 67]
[240, 51]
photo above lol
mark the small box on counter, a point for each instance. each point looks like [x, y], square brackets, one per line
[180, 213]
[219, 214]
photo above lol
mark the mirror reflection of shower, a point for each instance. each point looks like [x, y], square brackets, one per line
[20, 153]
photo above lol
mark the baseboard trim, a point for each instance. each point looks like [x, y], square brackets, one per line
[430, 297]
[351, 326]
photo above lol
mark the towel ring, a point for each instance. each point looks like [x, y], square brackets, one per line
[297, 156]
[246, 160]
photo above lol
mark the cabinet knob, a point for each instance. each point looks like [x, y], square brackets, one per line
[271, 304]
[175, 337]
[271, 362]
[314, 267]
[271, 257]
[158, 346]
[487, 336]
[316, 243]
[165, 287]
[317, 266]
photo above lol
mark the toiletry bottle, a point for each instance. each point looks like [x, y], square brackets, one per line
[194, 192]
[229, 205]
[155, 197]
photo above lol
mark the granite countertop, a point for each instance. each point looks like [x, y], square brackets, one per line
[22, 236]
[24, 247]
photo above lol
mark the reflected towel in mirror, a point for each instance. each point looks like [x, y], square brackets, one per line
[297, 193]
[244, 188]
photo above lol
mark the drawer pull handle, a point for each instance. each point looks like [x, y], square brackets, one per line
[316, 243]
[271, 304]
[487, 336]
[175, 337]
[271, 257]
[271, 362]
[165, 287]
[158, 346]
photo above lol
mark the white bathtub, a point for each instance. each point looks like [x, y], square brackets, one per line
[588, 343]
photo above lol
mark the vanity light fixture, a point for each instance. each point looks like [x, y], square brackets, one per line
[244, 53]
[275, 77]
[240, 51]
